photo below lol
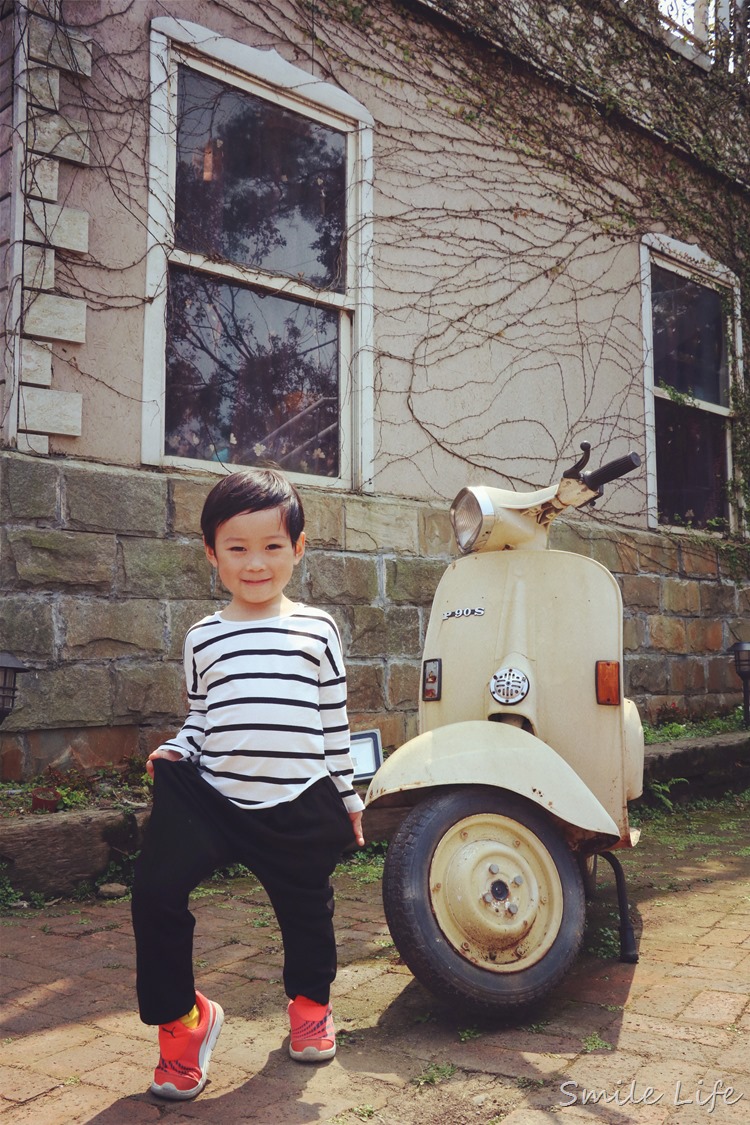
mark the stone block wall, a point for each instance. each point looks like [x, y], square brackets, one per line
[102, 571]
[37, 139]
[686, 600]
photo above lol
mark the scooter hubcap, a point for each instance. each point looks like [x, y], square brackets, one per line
[496, 893]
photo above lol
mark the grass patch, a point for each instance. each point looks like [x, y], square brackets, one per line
[603, 942]
[671, 729]
[670, 824]
[434, 1073]
[9, 896]
[594, 1042]
[365, 865]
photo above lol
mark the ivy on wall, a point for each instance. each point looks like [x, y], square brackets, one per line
[631, 136]
[483, 110]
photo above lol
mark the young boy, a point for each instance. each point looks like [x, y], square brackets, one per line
[260, 774]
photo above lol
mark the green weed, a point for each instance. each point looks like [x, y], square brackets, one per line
[434, 1073]
[659, 790]
[366, 865]
[9, 896]
[594, 1042]
[233, 871]
[604, 943]
[121, 786]
[671, 729]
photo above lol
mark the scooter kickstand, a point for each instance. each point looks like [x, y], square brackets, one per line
[628, 949]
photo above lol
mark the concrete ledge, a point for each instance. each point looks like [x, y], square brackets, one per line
[51, 853]
[711, 765]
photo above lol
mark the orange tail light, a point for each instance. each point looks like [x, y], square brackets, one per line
[608, 682]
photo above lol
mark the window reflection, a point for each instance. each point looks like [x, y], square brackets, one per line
[690, 365]
[251, 377]
[690, 353]
[259, 185]
[691, 458]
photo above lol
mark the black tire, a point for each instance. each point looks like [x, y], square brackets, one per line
[467, 945]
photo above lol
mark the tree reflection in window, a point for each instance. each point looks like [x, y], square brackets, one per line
[259, 185]
[690, 366]
[251, 377]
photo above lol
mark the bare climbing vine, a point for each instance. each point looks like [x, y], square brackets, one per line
[521, 153]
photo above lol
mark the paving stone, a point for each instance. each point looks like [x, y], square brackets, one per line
[681, 1015]
[714, 1007]
[19, 1084]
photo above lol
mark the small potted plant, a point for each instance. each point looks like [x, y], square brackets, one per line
[45, 799]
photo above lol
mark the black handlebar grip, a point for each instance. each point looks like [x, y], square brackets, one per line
[595, 478]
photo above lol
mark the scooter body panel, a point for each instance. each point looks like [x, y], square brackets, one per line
[477, 752]
[548, 616]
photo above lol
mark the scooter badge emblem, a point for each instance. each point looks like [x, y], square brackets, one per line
[509, 686]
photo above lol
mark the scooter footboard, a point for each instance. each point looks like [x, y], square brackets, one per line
[484, 753]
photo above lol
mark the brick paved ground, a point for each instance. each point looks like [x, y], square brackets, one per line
[655, 1038]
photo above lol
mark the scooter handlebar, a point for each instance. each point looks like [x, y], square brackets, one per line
[595, 478]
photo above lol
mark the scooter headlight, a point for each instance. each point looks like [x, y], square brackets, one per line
[472, 517]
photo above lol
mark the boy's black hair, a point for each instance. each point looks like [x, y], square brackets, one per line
[252, 490]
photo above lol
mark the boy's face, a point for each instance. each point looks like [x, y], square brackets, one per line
[255, 559]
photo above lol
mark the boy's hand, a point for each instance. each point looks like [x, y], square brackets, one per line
[170, 755]
[356, 819]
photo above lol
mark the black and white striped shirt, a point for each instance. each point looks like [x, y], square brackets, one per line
[267, 707]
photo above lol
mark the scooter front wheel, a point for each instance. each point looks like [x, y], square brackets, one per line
[483, 898]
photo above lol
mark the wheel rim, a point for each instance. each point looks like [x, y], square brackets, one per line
[496, 893]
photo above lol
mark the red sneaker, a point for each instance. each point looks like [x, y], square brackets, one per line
[185, 1053]
[313, 1035]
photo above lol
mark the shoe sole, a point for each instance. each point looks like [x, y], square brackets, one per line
[312, 1054]
[167, 1090]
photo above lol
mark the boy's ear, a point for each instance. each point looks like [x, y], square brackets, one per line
[210, 554]
[299, 548]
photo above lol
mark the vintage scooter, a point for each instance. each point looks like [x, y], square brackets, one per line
[526, 758]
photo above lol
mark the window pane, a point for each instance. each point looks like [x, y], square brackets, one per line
[690, 352]
[251, 377]
[258, 185]
[690, 464]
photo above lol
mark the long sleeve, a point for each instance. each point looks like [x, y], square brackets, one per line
[336, 737]
[191, 736]
[267, 708]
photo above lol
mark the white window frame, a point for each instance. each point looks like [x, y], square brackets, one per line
[266, 74]
[699, 45]
[691, 262]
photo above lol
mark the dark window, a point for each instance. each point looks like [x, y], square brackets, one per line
[690, 370]
[253, 374]
[690, 338]
[691, 464]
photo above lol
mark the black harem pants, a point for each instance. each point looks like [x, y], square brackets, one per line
[291, 848]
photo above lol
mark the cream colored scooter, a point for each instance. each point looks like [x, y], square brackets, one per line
[526, 758]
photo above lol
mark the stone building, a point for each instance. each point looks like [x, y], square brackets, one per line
[396, 248]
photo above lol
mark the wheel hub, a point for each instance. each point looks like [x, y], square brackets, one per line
[495, 892]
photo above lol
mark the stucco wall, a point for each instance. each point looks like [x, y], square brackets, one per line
[102, 572]
[508, 218]
[507, 303]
